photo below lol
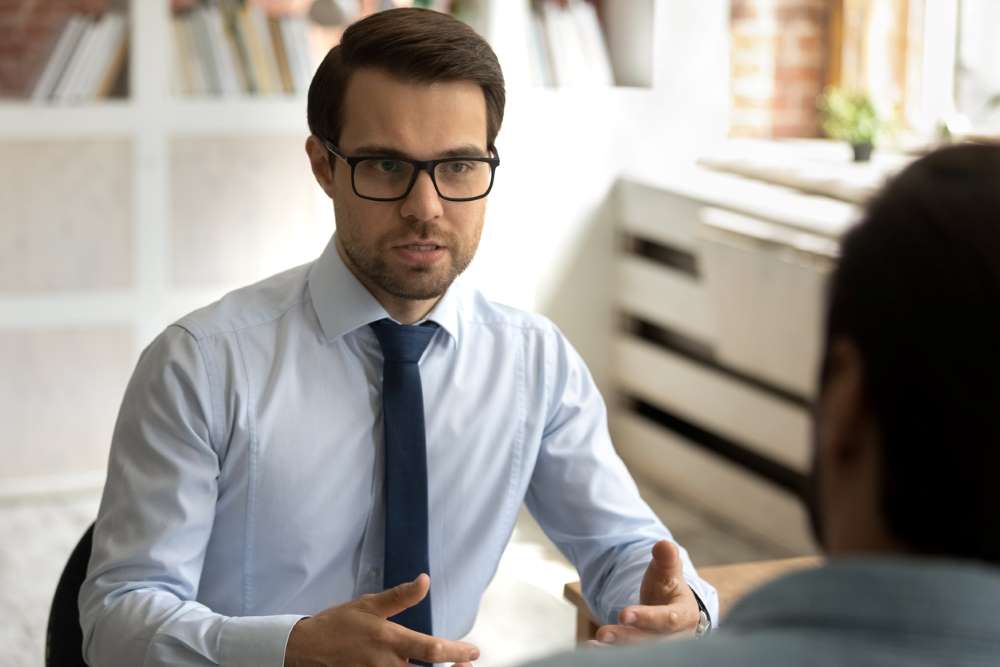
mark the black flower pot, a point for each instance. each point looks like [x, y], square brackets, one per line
[862, 152]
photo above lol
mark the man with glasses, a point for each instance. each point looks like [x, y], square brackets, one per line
[324, 468]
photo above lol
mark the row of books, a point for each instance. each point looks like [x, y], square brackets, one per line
[568, 46]
[87, 61]
[227, 47]
[234, 47]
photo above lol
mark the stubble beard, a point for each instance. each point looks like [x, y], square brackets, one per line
[414, 283]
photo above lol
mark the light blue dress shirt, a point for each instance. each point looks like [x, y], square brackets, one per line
[245, 479]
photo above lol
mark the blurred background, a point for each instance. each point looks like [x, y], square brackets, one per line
[676, 175]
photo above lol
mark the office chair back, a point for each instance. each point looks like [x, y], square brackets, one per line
[64, 637]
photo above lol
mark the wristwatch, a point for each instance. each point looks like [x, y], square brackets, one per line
[704, 620]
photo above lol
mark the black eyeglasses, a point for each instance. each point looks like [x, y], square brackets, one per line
[387, 178]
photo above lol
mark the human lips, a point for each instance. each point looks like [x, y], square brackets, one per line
[420, 252]
[421, 247]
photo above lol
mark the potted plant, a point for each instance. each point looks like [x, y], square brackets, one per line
[851, 117]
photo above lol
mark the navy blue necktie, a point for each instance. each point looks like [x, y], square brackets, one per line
[406, 542]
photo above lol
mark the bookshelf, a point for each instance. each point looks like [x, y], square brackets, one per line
[228, 48]
[152, 126]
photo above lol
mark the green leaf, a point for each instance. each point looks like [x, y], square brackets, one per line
[849, 116]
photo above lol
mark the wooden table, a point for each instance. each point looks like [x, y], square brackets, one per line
[731, 581]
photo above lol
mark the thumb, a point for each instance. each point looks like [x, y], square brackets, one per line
[664, 575]
[398, 598]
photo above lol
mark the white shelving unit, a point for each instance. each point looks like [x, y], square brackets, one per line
[148, 119]
[23, 120]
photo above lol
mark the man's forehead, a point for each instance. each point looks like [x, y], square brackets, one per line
[373, 79]
[411, 116]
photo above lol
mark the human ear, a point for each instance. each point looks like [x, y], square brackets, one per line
[844, 413]
[319, 161]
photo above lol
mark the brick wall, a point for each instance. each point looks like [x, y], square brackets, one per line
[28, 32]
[779, 61]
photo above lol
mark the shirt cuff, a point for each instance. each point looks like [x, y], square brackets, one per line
[702, 608]
[707, 597]
[256, 641]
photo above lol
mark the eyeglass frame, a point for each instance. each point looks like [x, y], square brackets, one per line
[418, 166]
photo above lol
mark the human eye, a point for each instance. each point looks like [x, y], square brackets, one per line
[460, 167]
[383, 169]
[388, 166]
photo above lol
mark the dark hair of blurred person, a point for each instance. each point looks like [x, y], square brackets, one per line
[915, 303]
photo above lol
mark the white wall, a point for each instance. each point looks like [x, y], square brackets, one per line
[979, 50]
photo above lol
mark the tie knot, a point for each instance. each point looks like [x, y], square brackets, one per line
[403, 343]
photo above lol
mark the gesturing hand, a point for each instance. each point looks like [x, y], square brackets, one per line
[666, 603]
[357, 633]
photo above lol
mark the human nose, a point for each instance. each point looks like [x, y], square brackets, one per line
[423, 202]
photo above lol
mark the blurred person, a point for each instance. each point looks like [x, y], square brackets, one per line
[277, 492]
[903, 498]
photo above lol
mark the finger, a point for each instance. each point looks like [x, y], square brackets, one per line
[463, 664]
[621, 634]
[396, 599]
[664, 576]
[593, 643]
[661, 619]
[417, 646]
[665, 554]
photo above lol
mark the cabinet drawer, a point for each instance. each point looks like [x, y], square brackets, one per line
[698, 476]
[766, 290]
[659, 216]
[715, 401]
[663, 296]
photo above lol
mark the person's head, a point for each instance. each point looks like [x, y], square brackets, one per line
[413, 84]
[908, 420]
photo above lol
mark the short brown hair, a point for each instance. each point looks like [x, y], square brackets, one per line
[414, 45]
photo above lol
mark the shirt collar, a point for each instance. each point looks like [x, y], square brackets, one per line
[343, 304]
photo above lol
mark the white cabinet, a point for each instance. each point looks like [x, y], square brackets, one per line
[721, 288]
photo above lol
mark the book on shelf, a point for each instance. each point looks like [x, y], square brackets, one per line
[595, 49]
[296, 34]
[540, 64]
[281, 54]
[109, 57]
[59, 58]
[231, 79]
[188, 76]
[260, 50]
[195, 24]
[568, 45]
[87, 61]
